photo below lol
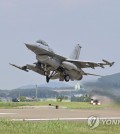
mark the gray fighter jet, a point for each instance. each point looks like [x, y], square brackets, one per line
[54, 66]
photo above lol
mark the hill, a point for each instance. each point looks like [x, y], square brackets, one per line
[108, 86]
[51, 85]
[110, 80]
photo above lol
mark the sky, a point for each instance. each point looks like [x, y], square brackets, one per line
[94, 24]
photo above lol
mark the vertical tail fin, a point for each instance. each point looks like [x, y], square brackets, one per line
[76, 52]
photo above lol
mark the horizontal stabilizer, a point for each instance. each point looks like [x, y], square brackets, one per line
[24, 68]
[92, 74]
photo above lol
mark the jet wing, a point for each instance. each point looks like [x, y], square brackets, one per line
[42, 51]
[51, 54]
[88, 64]
[59, 57]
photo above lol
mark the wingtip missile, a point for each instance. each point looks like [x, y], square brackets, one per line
[109, 63]
[24, 68]
[112, 63]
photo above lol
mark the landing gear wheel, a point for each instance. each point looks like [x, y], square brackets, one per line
[81, 77]
[47, 79]
[67, 78]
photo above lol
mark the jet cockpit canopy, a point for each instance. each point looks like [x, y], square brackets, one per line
[42, 42]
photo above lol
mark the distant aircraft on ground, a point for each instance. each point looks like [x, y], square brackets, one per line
[54, 66]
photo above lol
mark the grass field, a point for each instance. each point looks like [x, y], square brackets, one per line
[53, 127]
[70, 105]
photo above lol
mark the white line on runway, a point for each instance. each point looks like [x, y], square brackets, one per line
[7, 113]
[50, 119]
[66, 119]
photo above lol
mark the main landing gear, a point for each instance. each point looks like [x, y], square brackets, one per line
[51, 74]
[48, 77]
[66, 77]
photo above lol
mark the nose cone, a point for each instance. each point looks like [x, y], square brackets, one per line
[31, 47]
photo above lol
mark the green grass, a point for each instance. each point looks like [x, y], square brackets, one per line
[70, 105]
[53, 127]
[116, 105]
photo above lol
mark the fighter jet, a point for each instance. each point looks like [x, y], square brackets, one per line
[54, 66]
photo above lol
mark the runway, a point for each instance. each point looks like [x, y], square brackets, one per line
[50, 113]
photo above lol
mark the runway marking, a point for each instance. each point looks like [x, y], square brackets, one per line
[65, 119]
[7, 113]
[50, 119]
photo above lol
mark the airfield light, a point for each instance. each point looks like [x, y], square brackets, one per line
[36, 91]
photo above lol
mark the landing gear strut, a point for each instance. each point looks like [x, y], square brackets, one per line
[47, 79]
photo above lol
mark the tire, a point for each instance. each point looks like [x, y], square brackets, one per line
[81, 77]
[67, 78]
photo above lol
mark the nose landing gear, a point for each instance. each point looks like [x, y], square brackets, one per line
[67, 78]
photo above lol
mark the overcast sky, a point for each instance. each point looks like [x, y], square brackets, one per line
[95, 24]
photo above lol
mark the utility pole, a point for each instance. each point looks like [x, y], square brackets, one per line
[36, 92]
